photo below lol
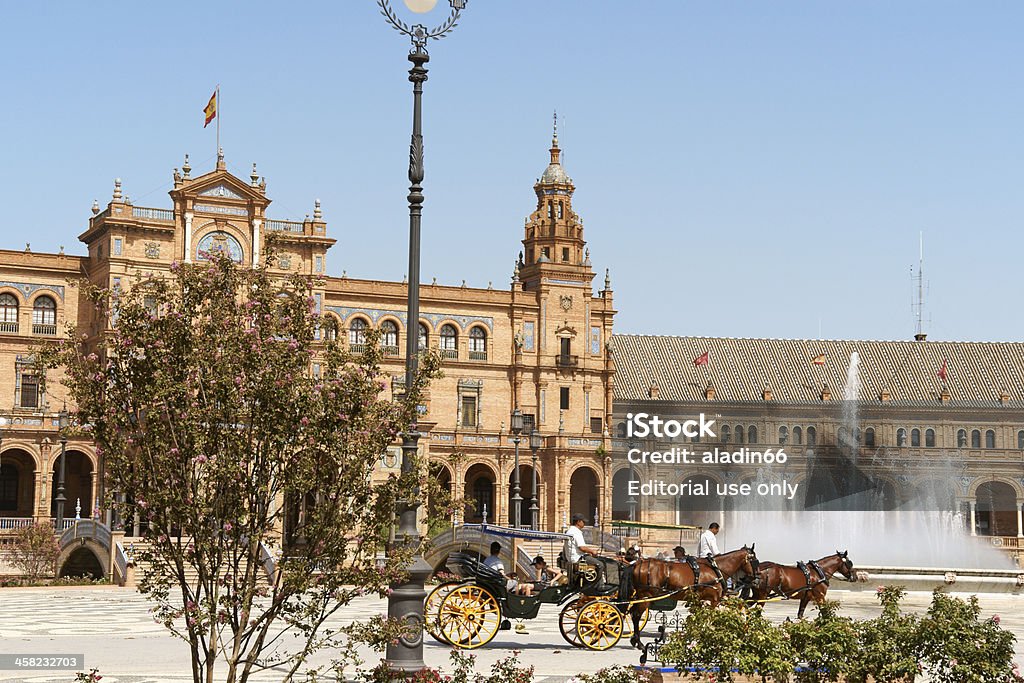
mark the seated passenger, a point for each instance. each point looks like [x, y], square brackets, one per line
[544, 577]
[494, 562]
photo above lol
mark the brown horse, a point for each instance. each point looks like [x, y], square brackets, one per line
[663, 579]
[791, 581]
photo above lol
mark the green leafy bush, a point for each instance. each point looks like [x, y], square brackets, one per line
[958, 646]
[888, 643]
[826, 647]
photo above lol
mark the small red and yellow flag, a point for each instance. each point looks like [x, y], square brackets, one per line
[819, 359]
[211, 109]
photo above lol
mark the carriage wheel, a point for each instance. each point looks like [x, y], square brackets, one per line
[567, 622]
[432, 610]
[469, 616]
[599, 625]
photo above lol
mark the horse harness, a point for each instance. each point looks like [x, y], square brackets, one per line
[811, 581]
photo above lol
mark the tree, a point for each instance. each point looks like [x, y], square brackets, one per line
[35, 551]
[225, 423]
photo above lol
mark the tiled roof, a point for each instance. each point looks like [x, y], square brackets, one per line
[741, 369]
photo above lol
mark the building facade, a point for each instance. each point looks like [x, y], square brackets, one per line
[907, 425]
[539, 345]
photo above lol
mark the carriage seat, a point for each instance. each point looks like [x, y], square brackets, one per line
[467, 565]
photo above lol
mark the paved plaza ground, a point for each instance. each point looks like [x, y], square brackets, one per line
[113, 629]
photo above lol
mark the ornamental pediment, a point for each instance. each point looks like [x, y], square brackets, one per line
[220, 190]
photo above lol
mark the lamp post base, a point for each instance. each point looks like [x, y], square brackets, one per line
[406, 603]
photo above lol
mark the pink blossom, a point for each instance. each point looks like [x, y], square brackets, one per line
[995, 619]
[228, 527]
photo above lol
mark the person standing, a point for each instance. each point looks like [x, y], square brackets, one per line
[708, 543]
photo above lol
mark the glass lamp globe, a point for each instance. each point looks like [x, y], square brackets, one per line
[420, 6]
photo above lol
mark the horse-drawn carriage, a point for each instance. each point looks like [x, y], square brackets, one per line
[469, 612]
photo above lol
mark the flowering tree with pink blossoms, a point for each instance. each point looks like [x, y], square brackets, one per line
[245, 445]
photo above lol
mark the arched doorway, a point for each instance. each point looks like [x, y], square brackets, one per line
[624, 506]
[996, 509]
[440, 503]
[526, 493]
[17, 479]
[584, 494]
[703, 506]
[78, 475]
[479, 493]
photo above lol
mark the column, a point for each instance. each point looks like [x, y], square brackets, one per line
[38, 486]
[256, 223]
[94, 501]
[188, 237]
[1020, 522]
[974, 517]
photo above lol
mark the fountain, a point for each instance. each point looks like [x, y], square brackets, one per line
[847, 506]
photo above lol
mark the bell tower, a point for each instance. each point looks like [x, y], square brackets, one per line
[554, 245]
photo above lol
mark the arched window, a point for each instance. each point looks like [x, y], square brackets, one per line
[357, 335]
[560, 209]
[44, 316]
[8, 313]
[929, 438]
[739, 433]
[477, 343]
[1020, 439]
[812, 436]
[869, 437]
[975, 438]
[751, 434]
[449, 342]
[389, 337]
[798, 436]
[961, 438]
[727, 433]
[915, 438]
[551, 210]
[424, 337]
[219, 241]
[783, 435]
[330, 328]
[990, 439]
[901, 437]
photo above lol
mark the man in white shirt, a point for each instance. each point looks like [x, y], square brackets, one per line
[576, 548]
[494, 562]
[708, 543]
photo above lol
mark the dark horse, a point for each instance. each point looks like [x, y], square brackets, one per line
[663, 579]
[808, 581]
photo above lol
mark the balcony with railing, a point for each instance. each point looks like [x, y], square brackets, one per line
[285, 226]
[9, 327]
[450, 353]
[44, 329]
[478, 355]
[565, 360]
[357, 347]
[391, 350]
[163, 215]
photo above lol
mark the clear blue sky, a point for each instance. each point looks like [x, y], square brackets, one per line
[744, 169]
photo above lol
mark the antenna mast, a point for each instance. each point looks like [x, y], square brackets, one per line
[918, 306]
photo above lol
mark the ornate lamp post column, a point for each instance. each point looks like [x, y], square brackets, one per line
[62, 421]
[516, 427]
[536, 441]
[406, 599]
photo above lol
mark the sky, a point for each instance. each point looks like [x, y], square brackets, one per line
[743, 169]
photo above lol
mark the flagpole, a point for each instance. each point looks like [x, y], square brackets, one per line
[218, 119]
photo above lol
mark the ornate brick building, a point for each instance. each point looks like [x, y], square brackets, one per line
[541, 345]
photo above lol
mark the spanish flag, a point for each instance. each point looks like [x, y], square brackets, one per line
[211, 109]
[700, 360]
[819, 359]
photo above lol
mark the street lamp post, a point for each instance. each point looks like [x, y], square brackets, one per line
[536, 441]
[62, 421]
[516, 427]
[405, 602]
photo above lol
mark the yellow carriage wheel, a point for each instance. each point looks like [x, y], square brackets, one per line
[567, 621]
[469, 616]
[599, 625]
[432, 610]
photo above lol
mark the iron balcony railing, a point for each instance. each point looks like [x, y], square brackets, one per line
[565, 360]
[478, 355]
[45, 330]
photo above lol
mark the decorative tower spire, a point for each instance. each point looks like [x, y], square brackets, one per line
[607, 278]
[254, 177]
[95, 207]
[317, 214]
[117, 189]
[186, 168]
[220, 159]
